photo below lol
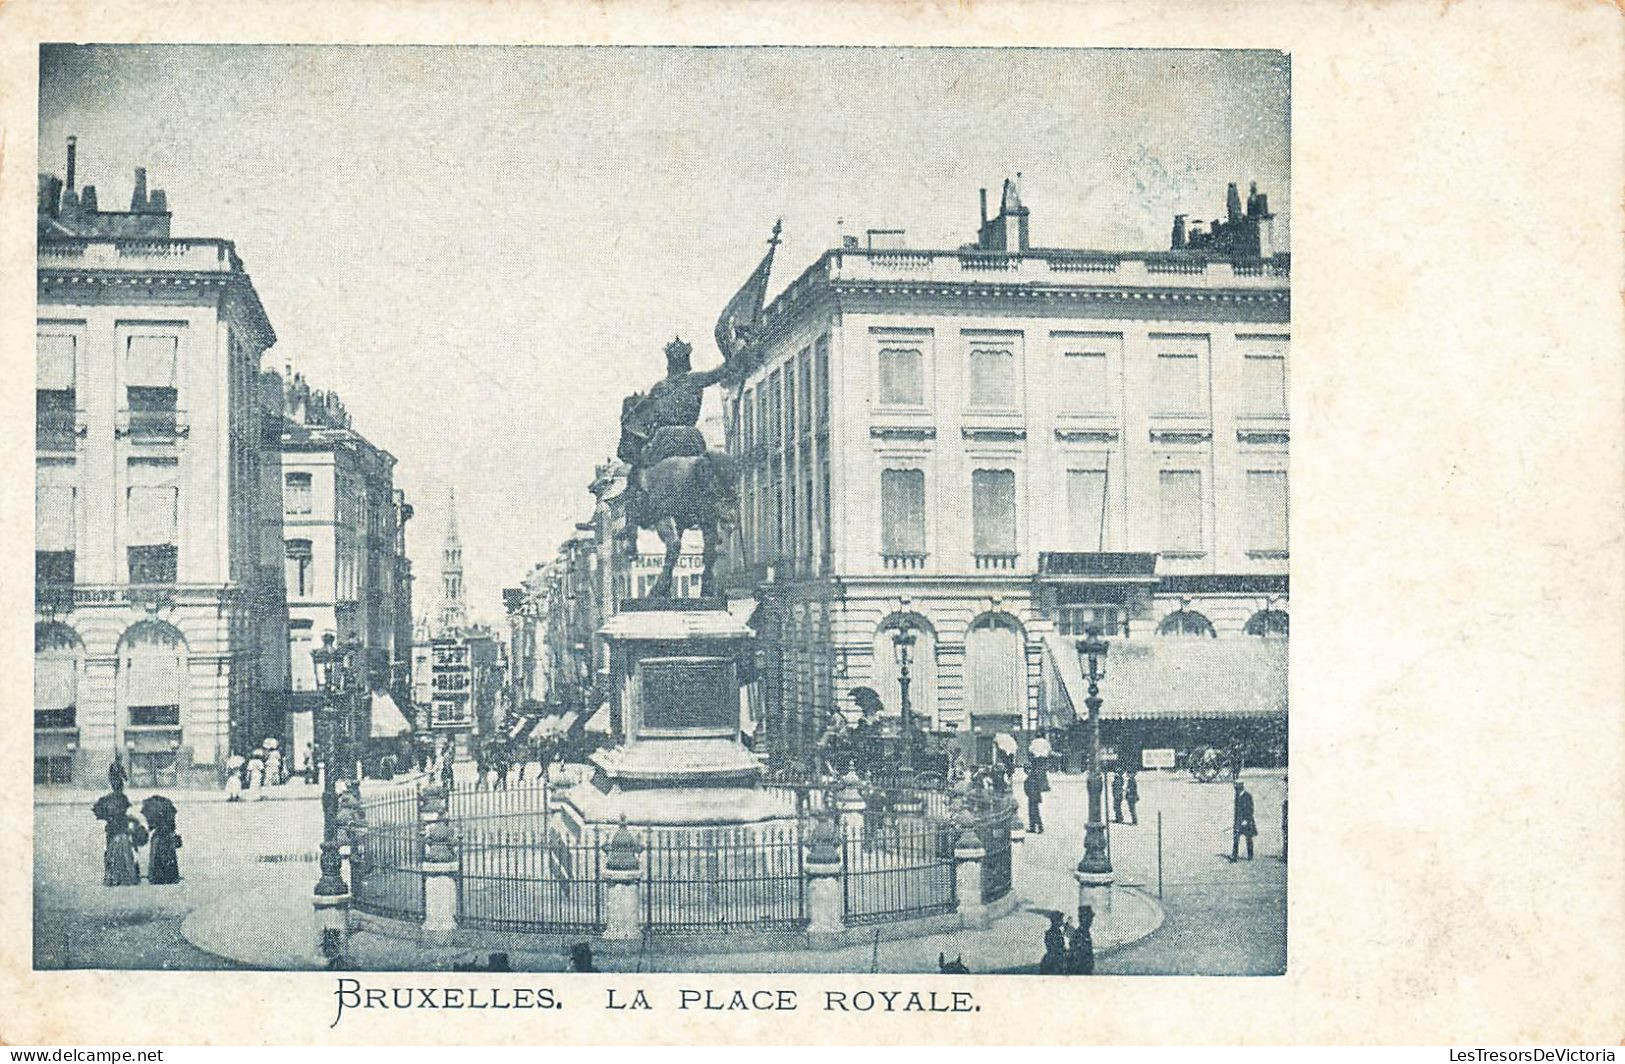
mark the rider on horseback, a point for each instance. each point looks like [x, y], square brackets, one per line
[667, 417]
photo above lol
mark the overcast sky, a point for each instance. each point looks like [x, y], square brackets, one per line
[483, 249]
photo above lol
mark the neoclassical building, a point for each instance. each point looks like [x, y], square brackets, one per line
[161, 624]
[999, 444]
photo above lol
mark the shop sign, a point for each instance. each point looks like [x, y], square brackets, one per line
[1159, 758]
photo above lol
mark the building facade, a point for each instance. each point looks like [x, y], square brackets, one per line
[343, 533]
[998, 445]
[158, 587]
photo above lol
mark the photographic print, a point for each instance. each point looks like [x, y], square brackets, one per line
[662, 509]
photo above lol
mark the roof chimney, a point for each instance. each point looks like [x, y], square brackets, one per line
[1232, 204]
[984, 201]
[157, 202]
[138, 198]
[87, 199]
[1179, 233]
[73, 151]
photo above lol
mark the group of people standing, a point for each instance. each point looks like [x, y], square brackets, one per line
[1069, 948]
[247, 777]
[126, 833]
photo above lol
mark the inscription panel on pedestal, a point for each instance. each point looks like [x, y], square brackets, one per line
[688, 695]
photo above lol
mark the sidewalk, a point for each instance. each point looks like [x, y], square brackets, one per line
[295, 790]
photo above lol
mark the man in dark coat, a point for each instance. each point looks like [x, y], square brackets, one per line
[1243, 826]
[1035, 785]
[1131, 795]
[1081, 950]
[116, 774]
[1117, 797]
[1055, 959]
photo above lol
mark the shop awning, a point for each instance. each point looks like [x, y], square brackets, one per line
[744, 610]
[387, 719]
[1178, 678]
[599, 722]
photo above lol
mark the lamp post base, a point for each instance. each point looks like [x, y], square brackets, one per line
[1095, 890]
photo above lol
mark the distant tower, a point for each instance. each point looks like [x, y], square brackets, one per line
[453, 612]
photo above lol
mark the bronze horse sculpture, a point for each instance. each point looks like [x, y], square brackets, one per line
[671, 493]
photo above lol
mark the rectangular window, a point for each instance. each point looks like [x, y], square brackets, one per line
[55, 362]
[993, 512]
[775, 407]
[993, 378]
[149, 361]
[53, 568]
[747, 421]
[55, 506]
[825, 540]
[787, 431]
[54, 401]
[155, 716]
[1263, 384]
[1181, 511]
[296, 496]
[1087, 385]
[1086, 509]
[1266, 511]
[152, 565]
[1179, 384]
[902, 512]
[804, 372]
[902, 376]
[298, 569]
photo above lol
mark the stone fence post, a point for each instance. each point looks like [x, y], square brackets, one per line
[440, 873]
[850, 805]
[623, 868]
[822, 865]
[969, 853]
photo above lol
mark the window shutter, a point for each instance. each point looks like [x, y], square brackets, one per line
[993, 511]
[1179, 384]
[1087, 380]
[902, 376]
[56, 680]
[55, 363]
[152, 512]
[155, 675]
[992, 378]
[1086, 509]
[149, 362]
[1181, 498]
[995, 671]
[1264, 384]
[54, 517]
[1266, 510]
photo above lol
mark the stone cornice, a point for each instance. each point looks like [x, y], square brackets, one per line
[902, 432]
[53, 278]
[994, 435]
[1086, 435]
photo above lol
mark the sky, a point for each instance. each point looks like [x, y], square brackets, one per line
[483, 249]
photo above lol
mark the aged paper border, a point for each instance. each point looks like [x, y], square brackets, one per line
[1457, 463]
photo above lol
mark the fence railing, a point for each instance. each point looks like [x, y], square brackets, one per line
[894, 873]
[725, 879]
[388, 869]
[525, 881]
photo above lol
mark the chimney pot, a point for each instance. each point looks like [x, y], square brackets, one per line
[138, 198]
[157, 202]
[87, 199]
[73, 151]
[984, 205]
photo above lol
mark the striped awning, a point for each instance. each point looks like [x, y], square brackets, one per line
[599, 723]
[387, 719]
[1168, 677]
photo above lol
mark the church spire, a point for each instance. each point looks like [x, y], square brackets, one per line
[453, 610]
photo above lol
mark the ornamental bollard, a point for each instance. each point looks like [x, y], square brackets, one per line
[850, 805]
[969, 853]
[826, 903]
[432, 803]
[440, 870]
[623, 868]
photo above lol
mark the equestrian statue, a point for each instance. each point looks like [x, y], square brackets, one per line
[676, 483]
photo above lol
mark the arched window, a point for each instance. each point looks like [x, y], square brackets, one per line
[922, 668]
[1186, 623]
[152, 670]
[1268, 623]
[995, 666]
[59, 657]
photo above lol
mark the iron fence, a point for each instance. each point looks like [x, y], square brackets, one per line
[896, 872]
[724, 879]
[469, 801]
[514, 879]
[388, 870]
[994, 833]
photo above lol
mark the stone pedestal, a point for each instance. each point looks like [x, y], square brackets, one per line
[1095, 890]
[332, 924]
[439, 901]
[623, 871]
[826, 903]
[850, 806]
[968, 857]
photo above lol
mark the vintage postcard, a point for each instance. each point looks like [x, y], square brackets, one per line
[757, 539]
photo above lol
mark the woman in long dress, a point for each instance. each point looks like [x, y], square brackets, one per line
[163, 866]
[256, 775]
[234, 777]
[118, 861]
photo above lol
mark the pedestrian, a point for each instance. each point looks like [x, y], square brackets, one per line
[118, 858]
[1131, 795]
[164, 867]
[1055, 953]
[1035, 785]
[310, 763]
[504, 766]
[116, 776]
[446, 776]
[256, 775]
[273, 763]
[581, 958]
[234, 777]
[1242, 824]
[1117, 797]
[1080, 949]
[483, 766]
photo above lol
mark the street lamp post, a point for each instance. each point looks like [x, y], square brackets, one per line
[332, 895]
[1094, 873]
[903, 643]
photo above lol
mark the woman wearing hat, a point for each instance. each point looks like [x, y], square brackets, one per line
[118, 861]
[234, 777]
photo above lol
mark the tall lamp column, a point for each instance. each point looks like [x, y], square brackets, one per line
[331, 897]
[903, 643]
[1094, 873]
